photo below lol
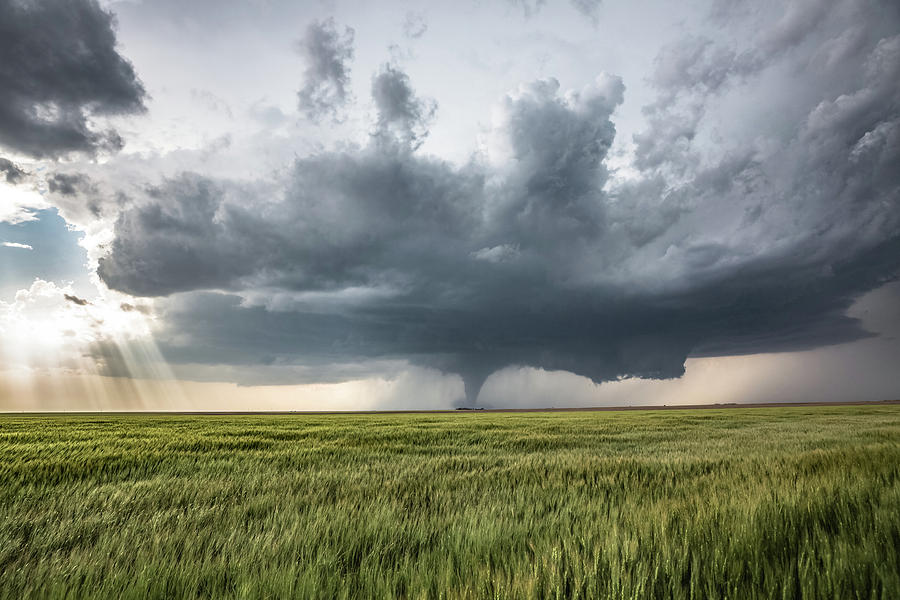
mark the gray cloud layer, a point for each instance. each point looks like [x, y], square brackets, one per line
[531, 254]
[59, 69]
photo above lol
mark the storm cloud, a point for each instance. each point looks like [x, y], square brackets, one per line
[403, 118]
[68, 184]
[737, 231]
[327, 54]
[11, 171]
[60, 70]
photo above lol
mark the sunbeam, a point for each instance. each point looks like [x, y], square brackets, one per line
[92, 353]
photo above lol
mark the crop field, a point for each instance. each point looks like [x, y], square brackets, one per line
[800, 502]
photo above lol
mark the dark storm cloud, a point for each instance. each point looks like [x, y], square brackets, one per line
[60, 68]
[68, 184]
[530, 255]
[304, 243]
[326, 79]
[11, 171]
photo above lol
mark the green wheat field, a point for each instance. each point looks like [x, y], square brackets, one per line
[799, 502]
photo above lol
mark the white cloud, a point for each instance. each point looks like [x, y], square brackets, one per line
[497, 254]
[18, 203]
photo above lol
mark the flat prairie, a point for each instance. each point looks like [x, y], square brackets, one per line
[786, 502]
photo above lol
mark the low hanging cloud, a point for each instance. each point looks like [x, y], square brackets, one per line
[326, 79]
[532, 254]
[60, 70]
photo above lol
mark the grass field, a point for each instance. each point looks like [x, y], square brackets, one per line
[734, 503]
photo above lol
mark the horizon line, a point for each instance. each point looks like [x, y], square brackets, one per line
[464, 410]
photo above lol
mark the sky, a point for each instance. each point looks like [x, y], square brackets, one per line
[349, 205]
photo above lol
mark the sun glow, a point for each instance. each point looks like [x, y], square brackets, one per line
[19, 203]
[55, 340]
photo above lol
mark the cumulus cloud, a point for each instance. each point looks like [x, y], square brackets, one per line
[403, 117]
[532, 254]
[60, 70]
[326, 79]
[68, 184]
[20, 202]
[83, 201]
